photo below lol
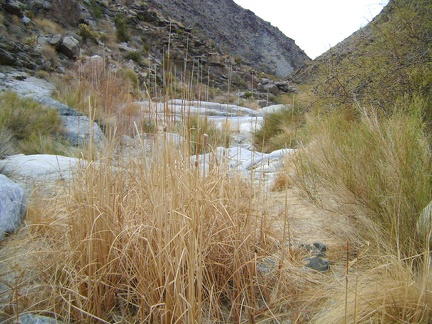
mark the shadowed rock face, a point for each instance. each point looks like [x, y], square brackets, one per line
[240, 32]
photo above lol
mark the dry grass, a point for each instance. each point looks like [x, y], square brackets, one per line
[110, 94]
[155, 241]
[48, 26]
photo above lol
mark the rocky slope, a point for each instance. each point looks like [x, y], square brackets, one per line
[240, 32]
[218, 39]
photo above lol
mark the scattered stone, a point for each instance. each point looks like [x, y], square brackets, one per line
[6, 58]
[318, 263]
[320, 247]
[26, 20]
[12, 205]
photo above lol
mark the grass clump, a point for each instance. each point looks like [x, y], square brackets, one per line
[7, 143]
[280, 129]
[203, 135]
[158, 242]
[25, 125]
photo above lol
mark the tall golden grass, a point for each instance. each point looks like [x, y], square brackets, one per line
[153, 240]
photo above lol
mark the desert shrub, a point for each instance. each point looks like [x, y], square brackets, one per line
[158, 242]
[50, 54]
[387, 292]
[134, 56]
[48, 26]
[378, 169]
[130, 75]
[88, 32]
[94, 90]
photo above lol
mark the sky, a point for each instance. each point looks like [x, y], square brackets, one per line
[315, 25]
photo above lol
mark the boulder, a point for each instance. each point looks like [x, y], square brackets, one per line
[23, 84]
[12, 205]
[39, 167]
[14, 7]
[69, 47]
[79, 129]
[56, 40]
[272, 109]
[45, 100]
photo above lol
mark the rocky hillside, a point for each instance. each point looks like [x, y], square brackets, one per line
[216, 40]
[240, 32]
[377, 64]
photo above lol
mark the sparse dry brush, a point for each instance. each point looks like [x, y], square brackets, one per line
[110, 94]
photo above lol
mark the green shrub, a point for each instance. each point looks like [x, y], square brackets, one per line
[87, 32]
[95, 9]
[134, 56]
[122, 30]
